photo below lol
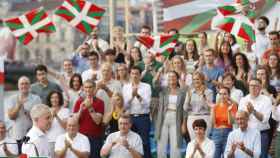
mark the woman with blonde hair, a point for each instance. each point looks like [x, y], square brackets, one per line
[117, 109]
[122, 74]
[176, 64]
[198, 102]
[120, 44]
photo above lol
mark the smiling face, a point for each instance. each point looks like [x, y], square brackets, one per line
[273, 61]
[24, 85]
[54, 99]
[172, 79]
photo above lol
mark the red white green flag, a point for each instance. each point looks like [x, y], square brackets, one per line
[159, 45]
[233, 19]
[27, 27]
[81, 14]
[239, 26]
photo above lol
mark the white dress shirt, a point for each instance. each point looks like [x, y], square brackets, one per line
[261, 44]
[38, 138]
[136, 106]
[208, 147]
[13, 148]
[119, 151]
[251, 139]
[261, 104]
[80, 142]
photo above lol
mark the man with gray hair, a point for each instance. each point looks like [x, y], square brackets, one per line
[72, 144]
[18, 108]
[38, 143]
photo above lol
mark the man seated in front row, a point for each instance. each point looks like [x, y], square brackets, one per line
[72, 144]
[243, 142]
[124, 143]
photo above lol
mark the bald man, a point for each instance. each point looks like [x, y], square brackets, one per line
[19, 106]
[72, 144]
[243, 142]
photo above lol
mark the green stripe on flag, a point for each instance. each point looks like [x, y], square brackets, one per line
[21, 38]
[165, 53]
[228, 8]
[198, 21]
[64, 12]
[249, 30]
[37, 17]
[87, 27]
[171, 39]
[226, 20]
[95, 14]
[14, 25]
[75, 5]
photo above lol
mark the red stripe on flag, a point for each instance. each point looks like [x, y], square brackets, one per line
[22, 156]
[170, 3]
[94, 8]
[14, 21]
[204, 27]
[30, 15]
[28, 38]
[2, 77]
[65, 16]
[177, 23]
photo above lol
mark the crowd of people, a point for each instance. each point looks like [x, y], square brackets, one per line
[221, 100]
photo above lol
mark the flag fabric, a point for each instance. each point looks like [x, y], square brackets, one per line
[27, 27]
[238, 25]
[80, 14]
[232, 19]
[190, 16]
[159, 45]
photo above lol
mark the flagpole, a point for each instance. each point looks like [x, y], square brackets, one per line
[126, 12]
[155, 20]
[111, 20]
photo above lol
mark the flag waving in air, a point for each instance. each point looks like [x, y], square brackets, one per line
[159, 45]
[81, 14]
[237, 19]
[28, 26]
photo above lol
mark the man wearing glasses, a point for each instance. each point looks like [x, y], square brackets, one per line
[259, 108]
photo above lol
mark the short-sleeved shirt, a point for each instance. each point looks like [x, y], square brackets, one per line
[251, 139]
[87, 126]
[212, 74]
[42, 91]
[80, 142]
[118, 151]
[208, 147]
[38, 138]
[13, 148]
[56, 128]
[23, 122]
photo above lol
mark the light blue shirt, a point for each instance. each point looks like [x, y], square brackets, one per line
[251, 139]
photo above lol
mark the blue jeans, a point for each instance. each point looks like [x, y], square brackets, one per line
[219, 136]
[264, 143]
[141, 125]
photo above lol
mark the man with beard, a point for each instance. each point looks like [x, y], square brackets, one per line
[274, 38]
[262, 40]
